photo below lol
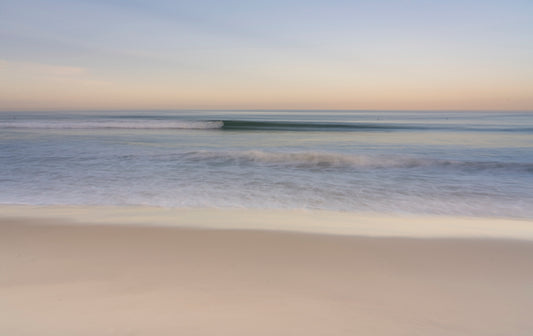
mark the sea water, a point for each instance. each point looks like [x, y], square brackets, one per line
[391, 162]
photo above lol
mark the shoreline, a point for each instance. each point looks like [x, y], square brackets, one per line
[64, 278]
[298, 221]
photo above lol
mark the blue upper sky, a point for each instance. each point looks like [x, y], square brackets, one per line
[266, 54]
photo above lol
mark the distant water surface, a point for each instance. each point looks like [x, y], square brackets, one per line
[450, 163]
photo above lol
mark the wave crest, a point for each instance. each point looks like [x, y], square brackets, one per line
[114, 124]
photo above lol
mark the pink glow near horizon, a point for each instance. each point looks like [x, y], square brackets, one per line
[461, 55]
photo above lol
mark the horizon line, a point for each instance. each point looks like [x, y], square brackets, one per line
[263, 110]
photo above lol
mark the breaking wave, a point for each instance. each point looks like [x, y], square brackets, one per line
[242, 125]
[113, 124]
[233, 125]
[337, 160]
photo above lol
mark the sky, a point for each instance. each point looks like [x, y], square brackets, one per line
[206, 54]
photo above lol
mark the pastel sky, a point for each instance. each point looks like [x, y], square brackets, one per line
[313, 54]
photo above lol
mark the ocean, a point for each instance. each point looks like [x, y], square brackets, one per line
[389, 162]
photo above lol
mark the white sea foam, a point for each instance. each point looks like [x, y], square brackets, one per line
[311, 159]
[112, 124]
[315, 159]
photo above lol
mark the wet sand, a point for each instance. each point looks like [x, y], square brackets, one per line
[59, 277]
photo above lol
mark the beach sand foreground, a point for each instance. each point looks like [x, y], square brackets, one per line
[60, 278]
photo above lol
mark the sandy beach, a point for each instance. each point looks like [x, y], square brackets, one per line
[266, 168]
[63, 278]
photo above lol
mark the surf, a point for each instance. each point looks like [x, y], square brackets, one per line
[112, 124]
[318, 159]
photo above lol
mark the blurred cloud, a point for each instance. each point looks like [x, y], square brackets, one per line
[41, 69]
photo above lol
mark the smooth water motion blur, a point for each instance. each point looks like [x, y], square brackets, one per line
[453, 163]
